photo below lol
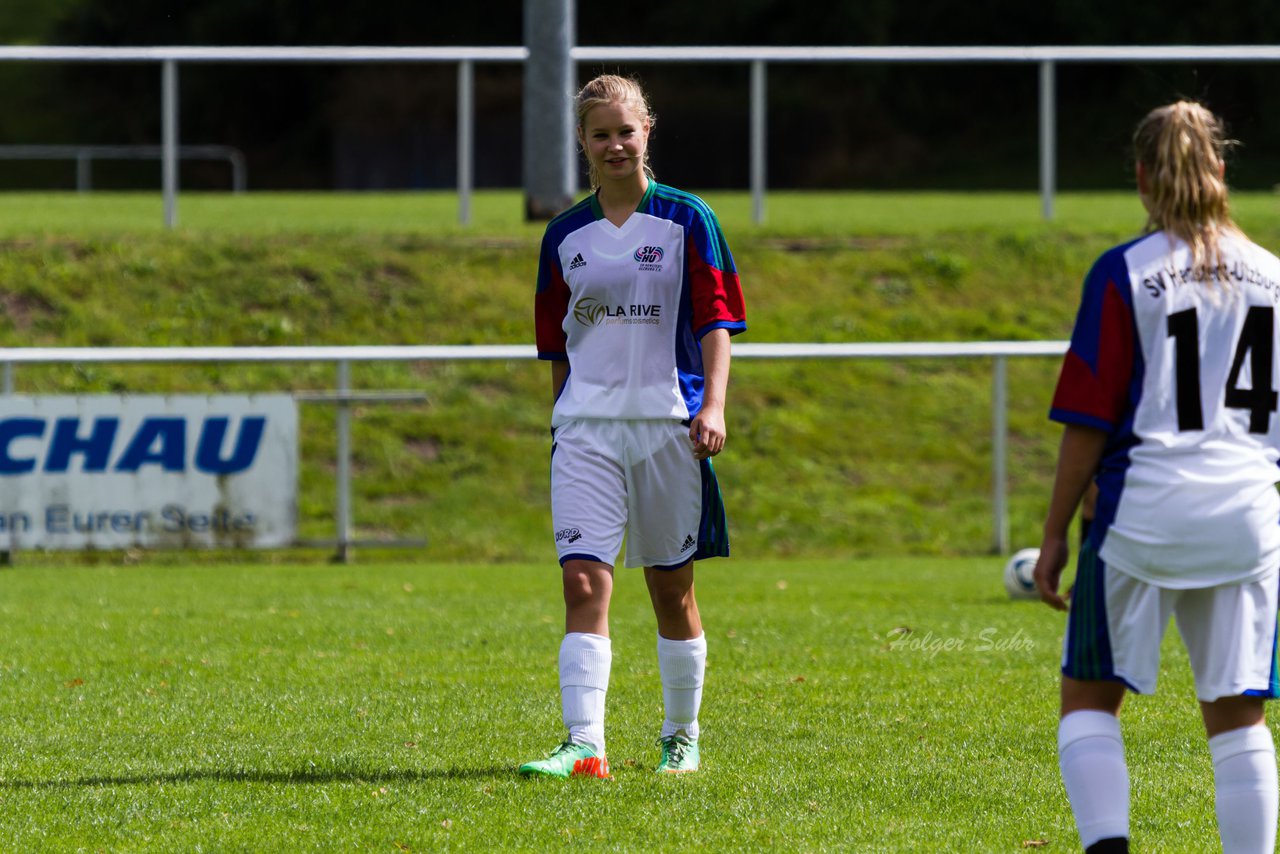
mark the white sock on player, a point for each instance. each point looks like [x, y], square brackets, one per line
[1091, 757]
[584, 679]
[1244, 780]
[682, 664]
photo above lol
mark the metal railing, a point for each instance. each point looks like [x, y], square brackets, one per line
[1044, 58]
[169, 57]
[84, 155]
[342, 357]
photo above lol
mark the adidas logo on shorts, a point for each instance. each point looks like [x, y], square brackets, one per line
[689, 542]
[577, 262]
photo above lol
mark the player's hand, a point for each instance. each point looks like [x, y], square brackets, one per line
[1048, 572]
[706, 432]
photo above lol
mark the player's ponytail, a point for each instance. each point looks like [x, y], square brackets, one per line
[1181, 147]
[613, 89]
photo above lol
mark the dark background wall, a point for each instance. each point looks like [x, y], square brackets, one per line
[830, 126]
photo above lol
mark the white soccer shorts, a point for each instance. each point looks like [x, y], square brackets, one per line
[611, 478]
[1229, 632]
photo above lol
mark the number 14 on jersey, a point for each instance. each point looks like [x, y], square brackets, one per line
[1257, 341]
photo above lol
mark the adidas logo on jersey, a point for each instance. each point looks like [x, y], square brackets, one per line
[577, 262]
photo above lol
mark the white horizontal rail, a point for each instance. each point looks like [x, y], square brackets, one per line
[414, 353]
[976, 53]
[262, 54]
[48, 355]
[84, 155]
[1124, 53]
[900, 350]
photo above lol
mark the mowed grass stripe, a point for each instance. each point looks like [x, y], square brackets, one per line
[500, 213]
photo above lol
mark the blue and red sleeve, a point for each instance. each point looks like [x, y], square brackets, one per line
[715, 290]
[551, 303]
[1093, 387]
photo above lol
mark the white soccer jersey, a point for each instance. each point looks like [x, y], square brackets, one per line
[1181, 374]
[627, 306]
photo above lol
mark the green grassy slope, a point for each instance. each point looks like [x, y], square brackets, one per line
[824, 457]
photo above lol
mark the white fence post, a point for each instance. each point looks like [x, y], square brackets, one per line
[343, 427]
[758, 140]
[84, 175]
[999, 456]
[169, 168]
[1048, 139]
[8, 549]
[466, 125]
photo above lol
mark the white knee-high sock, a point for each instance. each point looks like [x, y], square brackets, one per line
[1244, 780]
[584, 679]
[682, 664]
[1091, 757]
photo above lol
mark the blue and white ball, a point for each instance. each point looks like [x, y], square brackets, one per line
[1018, 574]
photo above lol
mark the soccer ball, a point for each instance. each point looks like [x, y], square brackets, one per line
[1018, 572]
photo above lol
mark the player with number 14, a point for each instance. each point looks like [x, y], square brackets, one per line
[1168, 399]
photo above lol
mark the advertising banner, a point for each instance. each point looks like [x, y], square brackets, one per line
[151, 471]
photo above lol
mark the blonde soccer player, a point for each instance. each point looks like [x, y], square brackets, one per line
[1168, 397]
[637, 297]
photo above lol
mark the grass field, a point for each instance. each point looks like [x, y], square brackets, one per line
[858, 698]
[384, 708]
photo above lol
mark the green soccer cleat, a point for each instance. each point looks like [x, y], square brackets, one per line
[679, 754]
[569, 760]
